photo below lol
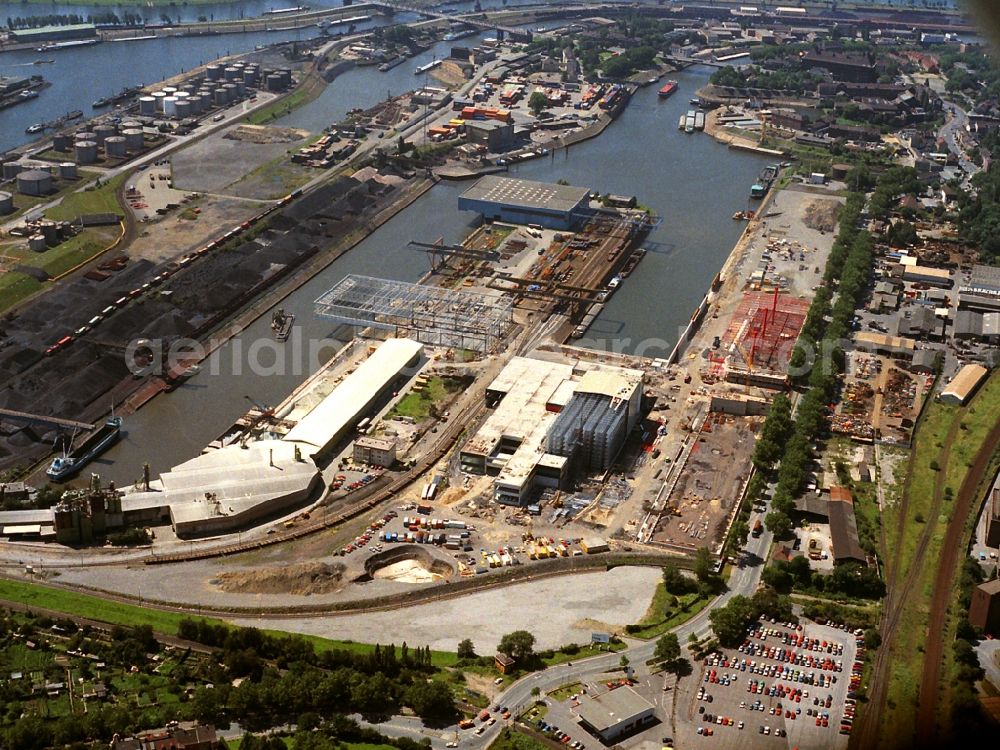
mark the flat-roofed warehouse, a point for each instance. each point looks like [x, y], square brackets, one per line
[320, 426]
[527, 202]
[54, 33]
[615, 713]
[964, 384]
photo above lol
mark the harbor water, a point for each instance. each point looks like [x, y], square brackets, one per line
[694, 183]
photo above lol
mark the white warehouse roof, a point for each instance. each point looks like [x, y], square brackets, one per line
[351, 397]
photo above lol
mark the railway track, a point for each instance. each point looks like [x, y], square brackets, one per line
[952, 549]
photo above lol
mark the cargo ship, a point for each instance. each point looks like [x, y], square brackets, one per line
[428, 67]
[764, 180]
[669, 88]
[64, 45]
[26, 93]
[123, 95]
[281, 324]
[70, 464]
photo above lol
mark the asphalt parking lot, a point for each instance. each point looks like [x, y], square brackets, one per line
[786, 685]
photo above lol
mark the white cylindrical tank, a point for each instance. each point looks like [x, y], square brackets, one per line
[169, 90]
[133, 139]
[115, 146]
[159, 96]
[6, 204]
[86, 152]
[182, 95]
[67, 171]
[169, 106]
[147, 105]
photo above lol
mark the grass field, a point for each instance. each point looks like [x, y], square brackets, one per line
[95, 608]
[310, 88]
[931, 459]
[15, 287]
[93, 200]
[418, 404]
[655, 622]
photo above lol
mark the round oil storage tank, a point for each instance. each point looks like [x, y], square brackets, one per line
[34, 182]
[61, 142]
[67, 171]
[241, 88]
[197, 103]
[286, 76]
[115, 146]
[251, 76]
[86, 152]
[214, 72]
[170, 106]
[103, 132]
[133, 139]
[11, 170]
[232, 92]
[219, 96]
[86, 135]
[180, 95]
[147, 105]
[36, 243]
[273, 82]
[169, 90]
[50, 231]
[6, 204]
[159, 96]
[231, 73]
[183, 109]
[132, 125]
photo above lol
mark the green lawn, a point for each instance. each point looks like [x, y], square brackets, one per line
[417, 404]
[15, 287]
[102, 200]
[565, 691]
[656, 622]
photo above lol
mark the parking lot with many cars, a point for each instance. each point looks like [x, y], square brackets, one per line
[786, 685]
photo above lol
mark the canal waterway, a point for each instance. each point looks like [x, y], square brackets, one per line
[693, 182]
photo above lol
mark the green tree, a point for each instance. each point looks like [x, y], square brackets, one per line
[519, 644]
[779, 524]
[668, 648]
[674, 581]
[537, 102]
[466, 649]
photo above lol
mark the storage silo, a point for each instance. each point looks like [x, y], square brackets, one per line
[61, 142]
[231, 73]
[273, 82]
[183, 109]
[6, 204]
[197, 103]
[133, 139]
[34, 182]
[86, 152]
[251, 76]
[241, 88]
[67, 171]
[286, 76]
[159, 96]
[36, 243]
[50, 231]
[115, 146]
[103, 132]
[219, 97]
[214, 72]
[232, 93]
[169, 106]
[147, 105]
[11, 169]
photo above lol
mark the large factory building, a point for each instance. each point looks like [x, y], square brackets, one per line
[527, 202]
[551, 420]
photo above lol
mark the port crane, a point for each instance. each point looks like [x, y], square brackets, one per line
[264, 412]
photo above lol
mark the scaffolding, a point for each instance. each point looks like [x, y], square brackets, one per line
[590, 431]
[432, 315]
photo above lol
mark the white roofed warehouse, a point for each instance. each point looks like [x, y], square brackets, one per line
[615, 713]
[527, 202]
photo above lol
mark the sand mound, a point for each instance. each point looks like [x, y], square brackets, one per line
[302, 579]
[821, 214]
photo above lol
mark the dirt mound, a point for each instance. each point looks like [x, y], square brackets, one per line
[821, 214]
[302, 579]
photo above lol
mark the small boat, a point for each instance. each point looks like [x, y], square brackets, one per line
[38, 127]
[42, 61]
[69, 464]
[281, 324]
[76, 114]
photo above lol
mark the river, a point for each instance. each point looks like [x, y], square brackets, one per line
[693, 182]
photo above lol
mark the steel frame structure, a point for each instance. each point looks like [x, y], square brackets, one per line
[429, 314]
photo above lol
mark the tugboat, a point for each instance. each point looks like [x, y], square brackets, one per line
[69, 464]
[281, 324]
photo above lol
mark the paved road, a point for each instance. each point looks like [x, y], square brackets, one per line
[954, 125]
